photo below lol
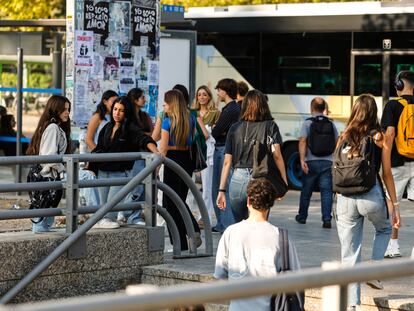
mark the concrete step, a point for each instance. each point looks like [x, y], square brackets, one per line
[397, 294]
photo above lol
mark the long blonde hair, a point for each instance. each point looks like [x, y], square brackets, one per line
[210, 105]
[179, 116]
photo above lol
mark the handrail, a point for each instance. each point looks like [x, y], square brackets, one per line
[58, 251]
[187, 295]
[72, 184]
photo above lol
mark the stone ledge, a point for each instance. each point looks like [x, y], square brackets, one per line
[123, 251]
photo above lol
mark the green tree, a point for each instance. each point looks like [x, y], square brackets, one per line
[32, 9]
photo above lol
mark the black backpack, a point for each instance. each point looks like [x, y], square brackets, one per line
[354, 174]
[321, 139]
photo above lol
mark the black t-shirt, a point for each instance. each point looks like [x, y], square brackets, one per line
[390, 117]
[240, 139]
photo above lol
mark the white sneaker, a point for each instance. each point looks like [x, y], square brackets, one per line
[392, 252]
[375, 284]
[106, 223]
[121, 220]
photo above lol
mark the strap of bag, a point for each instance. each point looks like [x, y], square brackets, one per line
[284, 244]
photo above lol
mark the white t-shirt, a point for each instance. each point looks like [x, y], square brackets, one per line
[251, 249]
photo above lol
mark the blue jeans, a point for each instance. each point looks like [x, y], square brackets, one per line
[351, 211]
[238, 193]
[136, 195]
[106, 193]
[320, 172]
[224, 217]
[90, 195]
[44, 225]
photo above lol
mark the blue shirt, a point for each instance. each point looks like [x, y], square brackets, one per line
[166, 126]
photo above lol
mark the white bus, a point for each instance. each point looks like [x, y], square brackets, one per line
[294, 52]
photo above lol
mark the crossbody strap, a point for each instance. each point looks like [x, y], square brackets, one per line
[284, 247]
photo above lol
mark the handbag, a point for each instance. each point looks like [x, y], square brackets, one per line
[264, 165]
[42, 198]
[197, 154]
[291, 301]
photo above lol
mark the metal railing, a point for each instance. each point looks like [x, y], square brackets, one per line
[75, 243]
[196, 294]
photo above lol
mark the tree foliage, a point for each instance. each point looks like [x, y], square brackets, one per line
[32, 9]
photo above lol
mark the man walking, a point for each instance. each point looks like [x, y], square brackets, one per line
[316, 145]
[226, 92]
[402, 166]
[251, 247]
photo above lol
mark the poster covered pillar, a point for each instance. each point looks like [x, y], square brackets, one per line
[111, 45]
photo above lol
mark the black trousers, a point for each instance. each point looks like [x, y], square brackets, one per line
[182, 158]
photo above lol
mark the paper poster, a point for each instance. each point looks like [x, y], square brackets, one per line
[111, 68]
[144, 21]
[83, 48]
[126, 75]
[153, 70]
[97, 71]
[97, 19]
[152, 100]
[120, 24]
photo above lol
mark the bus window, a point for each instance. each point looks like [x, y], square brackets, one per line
[368, 75]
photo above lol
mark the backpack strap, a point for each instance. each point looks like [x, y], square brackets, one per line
[284, 247]
[403, 101]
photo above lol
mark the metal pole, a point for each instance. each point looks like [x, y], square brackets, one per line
[173, 230]
[334, 297]
[57, 61]
[18, 177]
[150, 209]
[385, 78]
[63, 72]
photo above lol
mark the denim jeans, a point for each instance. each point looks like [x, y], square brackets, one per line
[207, 180]
[320, 172]
[351, 212]
[89, 195]
[238, 193]
[106, 193]
[44, 225]
[136, 195]
[224, 217]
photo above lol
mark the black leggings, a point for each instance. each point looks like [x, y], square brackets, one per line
[182, 158]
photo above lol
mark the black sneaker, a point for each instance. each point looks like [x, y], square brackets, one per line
[327, 224]
[299, 220]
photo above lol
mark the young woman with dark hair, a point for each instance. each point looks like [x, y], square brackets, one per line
[178, 130]
[120, 134]
[99, 118]
[137, 97]
[51, 137]
[256, 123]
[352, 209]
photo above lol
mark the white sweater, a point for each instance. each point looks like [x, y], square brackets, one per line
[53, 142]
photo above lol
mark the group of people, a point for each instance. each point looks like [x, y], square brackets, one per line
[229, 191]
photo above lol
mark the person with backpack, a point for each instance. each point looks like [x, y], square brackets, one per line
[316, 144]
[398, 124]
[361, 150]
[252, 247]
[256, 124]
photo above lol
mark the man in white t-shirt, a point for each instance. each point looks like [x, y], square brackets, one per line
[251, 248]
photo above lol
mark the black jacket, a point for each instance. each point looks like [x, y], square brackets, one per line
[128, 138]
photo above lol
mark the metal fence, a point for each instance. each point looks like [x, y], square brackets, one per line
[196, 294]
[75, 243]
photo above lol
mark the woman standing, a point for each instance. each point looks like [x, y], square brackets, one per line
[99, 118]
[178, 129]
[255, 122]
[51, 137]
[352, 209]
[204, 105]
[121, 134]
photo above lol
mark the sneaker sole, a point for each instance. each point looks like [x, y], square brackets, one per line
[390, 256]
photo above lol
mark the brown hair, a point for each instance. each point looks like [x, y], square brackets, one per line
[318, 104]
[255, 107]
[54, 107]
[261, 194]
[179, 116]
[229, 86]
[242, 88]
[362, 122]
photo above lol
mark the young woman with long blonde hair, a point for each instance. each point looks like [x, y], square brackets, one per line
[206, 109]
[177, 132]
